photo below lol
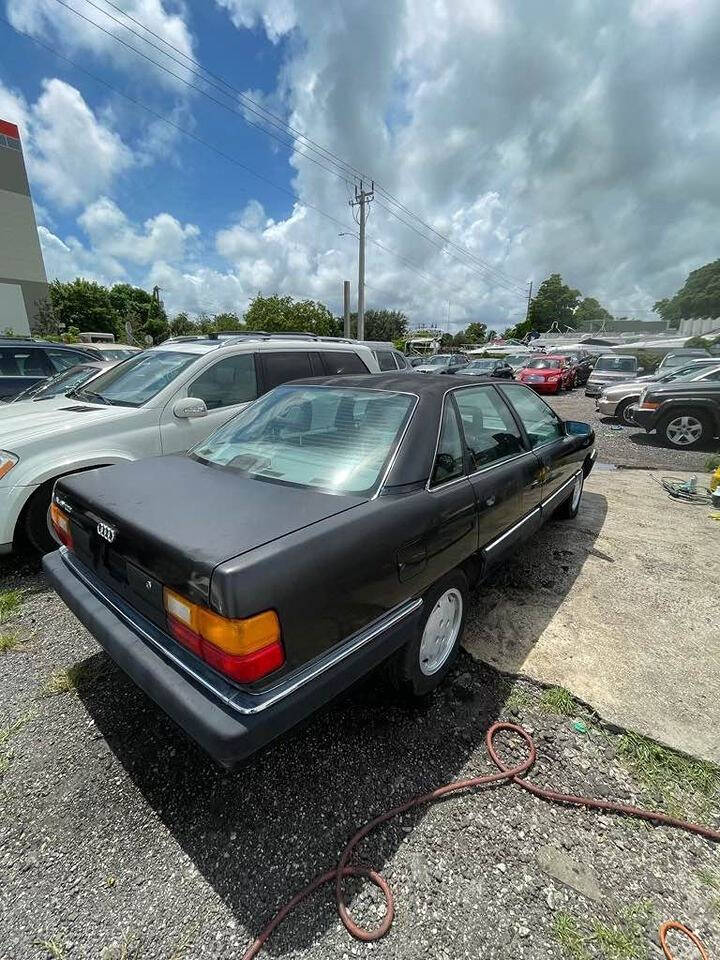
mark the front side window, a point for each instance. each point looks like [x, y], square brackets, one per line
[332, 439]
[449, 457]
[226, 382]
[541, 423]
[64, 359]
[491, 434]
[139, 379]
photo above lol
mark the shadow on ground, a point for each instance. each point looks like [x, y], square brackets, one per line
[260, 833]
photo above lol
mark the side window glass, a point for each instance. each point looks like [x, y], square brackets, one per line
[449, 457]
[284, 365]
[491, 434]
[385, 359]
[713, 376]
[32, 363]
[338, 361]
[226, 382]
[64, 359]
[540, 421]
[8, 364]
[400, 361]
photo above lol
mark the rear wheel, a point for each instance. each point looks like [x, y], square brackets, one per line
[623, 411]
[424, 662]
[36, 523]
[685, 431]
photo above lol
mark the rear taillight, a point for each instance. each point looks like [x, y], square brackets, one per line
[61, 525]
[244, 650]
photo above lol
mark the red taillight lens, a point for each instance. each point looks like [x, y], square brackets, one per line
[246, 668]
[61, 525]
[244, 650]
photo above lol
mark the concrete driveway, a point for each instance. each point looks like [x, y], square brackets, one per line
[621, 607]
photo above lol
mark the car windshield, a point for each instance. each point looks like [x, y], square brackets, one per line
[441, 360]
[137, 380]
[515, 358]
[334, 440]
[542, 363]
[671, 362]
[687, 372]
[67, 380]
[617, 364]
[486, 364]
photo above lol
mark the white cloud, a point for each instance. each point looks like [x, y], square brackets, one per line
[47, 20]
[69, 258]
[111, 233]
[278, 17]
[198, 289]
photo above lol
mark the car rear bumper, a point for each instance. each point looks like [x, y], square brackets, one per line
[228, 723]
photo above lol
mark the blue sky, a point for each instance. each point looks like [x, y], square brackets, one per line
[583, 142]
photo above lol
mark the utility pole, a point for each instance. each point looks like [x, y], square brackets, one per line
[527, 312]
[346, 308]
[362, 199]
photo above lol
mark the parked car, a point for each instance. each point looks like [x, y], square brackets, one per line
[112, 351]
[162, 400]
[443, 363]
[488, 367]
[333, 524]
[609, 369]
[684, 414]
[387, 356]
[678, 358]
[619, 400]
[519, 360]
[547, 374]
[24, 363]
[417, 361]
[62, 383]
[581, 365]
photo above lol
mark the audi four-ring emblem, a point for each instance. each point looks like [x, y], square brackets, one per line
[106, 531]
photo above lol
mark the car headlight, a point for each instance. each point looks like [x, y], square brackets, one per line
[7, 462]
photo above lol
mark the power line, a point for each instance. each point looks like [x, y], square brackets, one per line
[490, 272]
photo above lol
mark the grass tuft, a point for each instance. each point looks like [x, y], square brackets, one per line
[558, 700]
[82, 674]
[711, 878]
[595, 938]
[10, 603]
[53, 948]
[568, 934]
[683, 785]
[8, 641]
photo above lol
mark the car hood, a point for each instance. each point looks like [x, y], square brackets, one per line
[178, 518]
[30, 421]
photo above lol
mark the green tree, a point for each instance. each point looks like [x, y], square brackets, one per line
[228, 321]
[284, 315]
[698, 297]
[182, 326]
[590, 311]
[144, 311]
[476, 333]
[83, 304]
[382, 325]
[554, 302]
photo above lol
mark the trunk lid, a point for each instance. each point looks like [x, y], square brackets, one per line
[171, 520]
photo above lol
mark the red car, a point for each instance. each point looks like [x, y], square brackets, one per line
[547, 374]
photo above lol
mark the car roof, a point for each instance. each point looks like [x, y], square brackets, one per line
[260, 342]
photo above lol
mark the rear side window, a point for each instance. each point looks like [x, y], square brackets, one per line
[491, 434]
[541, 423]
[449, 457]
[285, 365]
[24, 362]
[226, 382]
[385, 359]
[64, 359]
[340, 361]
[401, 361]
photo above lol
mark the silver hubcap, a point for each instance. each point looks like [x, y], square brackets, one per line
[441, 631]
[627, 414]
[577, 492]
[684, 430]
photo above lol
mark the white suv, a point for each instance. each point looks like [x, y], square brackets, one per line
[162, 400]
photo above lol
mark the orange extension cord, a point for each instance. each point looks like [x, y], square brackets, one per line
[507, 774]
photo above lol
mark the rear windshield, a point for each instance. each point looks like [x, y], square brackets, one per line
[542, 363]
[617, 364]
[482, 364]
[333, 439]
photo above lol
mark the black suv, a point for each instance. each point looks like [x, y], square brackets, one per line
[23, 363]
[685, 414]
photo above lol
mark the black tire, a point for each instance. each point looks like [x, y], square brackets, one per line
[404, 668]
[569, 509]
[36, 520]
[699, 416]
[622, 407]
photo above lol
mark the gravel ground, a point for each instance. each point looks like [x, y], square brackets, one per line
[625, 445]
[119, 839]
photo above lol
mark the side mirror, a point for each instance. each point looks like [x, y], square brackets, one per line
[189, 408]
[576, 428]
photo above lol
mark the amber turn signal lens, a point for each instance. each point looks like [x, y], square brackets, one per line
[61, 525]
[237, 637]
[648, 405]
